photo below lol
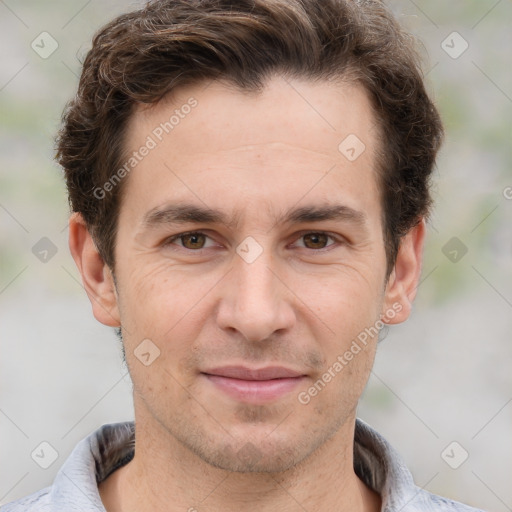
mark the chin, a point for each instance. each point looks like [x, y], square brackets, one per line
[250, 451]
[251, 459]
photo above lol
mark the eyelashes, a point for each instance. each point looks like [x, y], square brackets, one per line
[196, 237]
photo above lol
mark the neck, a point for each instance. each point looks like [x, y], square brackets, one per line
[165, 476]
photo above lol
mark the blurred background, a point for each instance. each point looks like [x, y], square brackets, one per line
[441, 389]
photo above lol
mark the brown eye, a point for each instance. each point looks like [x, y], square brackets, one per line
[316, 240]
[193, 240]
[190, 242]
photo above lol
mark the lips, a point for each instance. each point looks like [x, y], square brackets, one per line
[241, 372]
[254, 385]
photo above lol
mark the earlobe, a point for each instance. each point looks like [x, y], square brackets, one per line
[97, 277]
[404, 279]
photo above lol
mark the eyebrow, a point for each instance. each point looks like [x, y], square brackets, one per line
[189, 213]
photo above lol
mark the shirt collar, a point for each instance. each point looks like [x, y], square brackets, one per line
[112, 446]
[381, 468]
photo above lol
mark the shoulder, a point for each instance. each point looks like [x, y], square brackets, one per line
[427, 502]
[378, 464]
[75, 488]
[37, 502]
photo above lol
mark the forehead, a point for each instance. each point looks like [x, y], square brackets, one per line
[214, 137]
[312, 115]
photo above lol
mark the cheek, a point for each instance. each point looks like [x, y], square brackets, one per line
[168, 306]
[344, 302]
[152, 296]
[346, 314]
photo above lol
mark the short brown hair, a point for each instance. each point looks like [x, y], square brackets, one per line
[141, 56]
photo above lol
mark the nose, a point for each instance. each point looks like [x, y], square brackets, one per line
[255, 299]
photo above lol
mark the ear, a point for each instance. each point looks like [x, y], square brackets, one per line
[404, 278]
[97, 277]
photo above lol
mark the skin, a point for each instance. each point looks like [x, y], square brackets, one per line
[299, 304]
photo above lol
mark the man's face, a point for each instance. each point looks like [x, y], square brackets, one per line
[262, 289]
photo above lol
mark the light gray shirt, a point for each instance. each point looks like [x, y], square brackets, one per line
[111, 446]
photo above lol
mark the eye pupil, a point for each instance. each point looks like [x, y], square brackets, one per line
[194, 239]
[316, 238]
